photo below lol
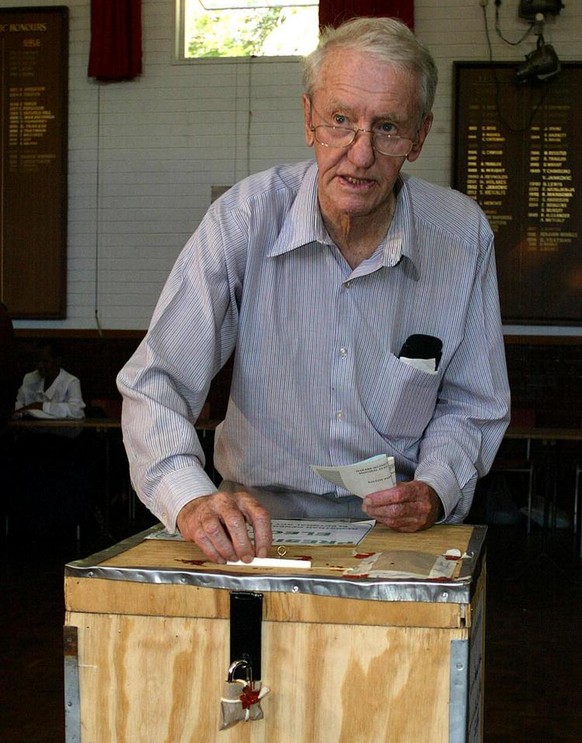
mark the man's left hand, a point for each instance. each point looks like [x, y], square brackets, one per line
[409, 506]
[32, 406]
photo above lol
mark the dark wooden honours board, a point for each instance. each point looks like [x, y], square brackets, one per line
[518, 153]
[33, 160]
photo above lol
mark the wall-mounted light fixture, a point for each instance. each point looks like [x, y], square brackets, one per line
[529, 9]
[543, 62]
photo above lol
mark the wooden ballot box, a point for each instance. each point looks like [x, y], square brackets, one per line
[347, 658]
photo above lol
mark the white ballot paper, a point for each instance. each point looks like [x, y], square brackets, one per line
[300, 532]
[314, 532]
[361, 478]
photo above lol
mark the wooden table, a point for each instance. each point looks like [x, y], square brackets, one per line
[535, 433]
[549, 437]
[105, 428]
[30, 424]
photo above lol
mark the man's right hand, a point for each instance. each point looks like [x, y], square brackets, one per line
[217, 523]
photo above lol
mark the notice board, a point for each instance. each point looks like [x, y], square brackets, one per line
[518, 153]
[33, 160]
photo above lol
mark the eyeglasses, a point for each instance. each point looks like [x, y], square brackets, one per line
[343, 136]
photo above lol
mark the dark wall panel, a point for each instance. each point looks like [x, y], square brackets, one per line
[33, 161]
[518, 154]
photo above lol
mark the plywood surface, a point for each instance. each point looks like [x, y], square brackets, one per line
[177, 597]
[156, 680]
[167, 600]
[325, 560]
[153, 656]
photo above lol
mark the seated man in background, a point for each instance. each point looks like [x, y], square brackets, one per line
[50, 391]
[316, 275]
[51, 480]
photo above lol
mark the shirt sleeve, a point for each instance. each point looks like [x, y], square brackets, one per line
[20, 399]
[473, 410]
[72, 405]
[27, 391]
[166, 382]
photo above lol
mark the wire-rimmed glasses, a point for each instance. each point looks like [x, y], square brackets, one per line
[393, 145]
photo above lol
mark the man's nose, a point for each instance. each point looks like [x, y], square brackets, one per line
[362, 149]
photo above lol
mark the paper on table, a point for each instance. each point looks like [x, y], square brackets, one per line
[301, 532]
[272, 562]
[313, 532]
[401, 564]
[361, 478]
[41, 415]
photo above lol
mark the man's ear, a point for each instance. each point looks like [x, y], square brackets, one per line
[307, 120]
[423, 131]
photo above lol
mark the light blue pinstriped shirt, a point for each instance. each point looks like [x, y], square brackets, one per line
[316, 377]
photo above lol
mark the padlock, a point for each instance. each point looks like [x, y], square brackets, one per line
[235, 665]
[240, 699]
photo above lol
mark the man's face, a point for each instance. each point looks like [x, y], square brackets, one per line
[46, 364]
[358, 91]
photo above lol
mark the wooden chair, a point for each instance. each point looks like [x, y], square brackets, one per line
[518, 458]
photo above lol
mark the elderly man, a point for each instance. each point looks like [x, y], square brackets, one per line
[316, 274]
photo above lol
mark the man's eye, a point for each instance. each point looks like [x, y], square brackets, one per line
[339, 120]
[387, 128]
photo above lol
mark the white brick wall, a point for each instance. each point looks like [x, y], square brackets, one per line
[143, 155]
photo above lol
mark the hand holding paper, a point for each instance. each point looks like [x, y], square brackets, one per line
[361, 478]
[404, 506]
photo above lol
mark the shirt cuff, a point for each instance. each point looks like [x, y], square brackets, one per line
[444, 483]
[176, 490]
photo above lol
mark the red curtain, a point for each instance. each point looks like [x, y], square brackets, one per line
[334, 12]
[115, 40]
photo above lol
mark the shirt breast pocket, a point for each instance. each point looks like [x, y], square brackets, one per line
[403, 400]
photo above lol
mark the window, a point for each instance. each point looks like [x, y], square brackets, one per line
[247, 28]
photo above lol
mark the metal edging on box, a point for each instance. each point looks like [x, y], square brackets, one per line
[457, 591]
[71, 687]
[459, 691]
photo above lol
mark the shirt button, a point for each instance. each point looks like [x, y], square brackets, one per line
[339, 415]
[347, 284]
[343, 352]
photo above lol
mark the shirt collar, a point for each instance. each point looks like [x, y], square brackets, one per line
[304, 225]
[401, 239]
